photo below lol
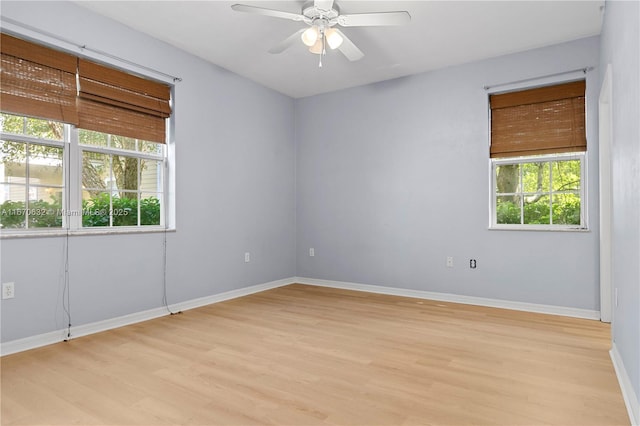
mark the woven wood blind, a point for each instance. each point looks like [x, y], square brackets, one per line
[545, 120]
[37, 81]
[112, 101]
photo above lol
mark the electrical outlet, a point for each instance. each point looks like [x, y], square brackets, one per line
[449, 262]
[8, 290]
[312, 252]
[472, 263]
[247, 257]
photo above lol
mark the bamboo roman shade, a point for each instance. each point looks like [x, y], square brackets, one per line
[544, 120]
[37, 81]
[112, 101]
[41, 82]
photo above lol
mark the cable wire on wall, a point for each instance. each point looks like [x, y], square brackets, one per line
[165, 301]
[66, 292]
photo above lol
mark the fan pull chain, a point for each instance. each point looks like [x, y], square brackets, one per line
[324, 48]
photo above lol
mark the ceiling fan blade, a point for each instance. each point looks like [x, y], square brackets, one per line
[374, 19]
[267, 12]
[349, 49]
[323, 4]
[287, 42]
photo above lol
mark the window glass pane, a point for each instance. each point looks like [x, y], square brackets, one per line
[507, 178]
[45, 165]
[537, 210]
[150, 209]
[535, 177]
[45, 129]
[96, 173]
[150, 147]
[508, 209]
[566, 175]
[95, 209]
[14, 161]
[117, 190]
[11, 123]
[12, 206]
[89, 137]
[125, 172]
[151, 176]
[121, 142]
[566, 209]
[125, 209]
[45, 211]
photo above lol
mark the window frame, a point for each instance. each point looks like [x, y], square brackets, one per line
[584, 217]
[161, 158]
[72, 189]
[53, 143]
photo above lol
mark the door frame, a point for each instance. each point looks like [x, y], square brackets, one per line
[607, 298]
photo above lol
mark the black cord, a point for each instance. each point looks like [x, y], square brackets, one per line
[164, 275]
[66, 293]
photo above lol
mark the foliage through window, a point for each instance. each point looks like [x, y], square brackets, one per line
[31, 173]
[543, 191]
[120, 181]
[123, 176]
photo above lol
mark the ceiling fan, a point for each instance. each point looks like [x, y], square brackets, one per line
[322, 16]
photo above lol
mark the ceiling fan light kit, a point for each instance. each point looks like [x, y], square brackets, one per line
[310, 36]
[334, 39]
[321, 16]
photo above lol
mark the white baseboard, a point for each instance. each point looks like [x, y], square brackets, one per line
[456, 298]
[630, 397]
[57, 336]
[31, 342]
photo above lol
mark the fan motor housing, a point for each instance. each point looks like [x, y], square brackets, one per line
[312, 13]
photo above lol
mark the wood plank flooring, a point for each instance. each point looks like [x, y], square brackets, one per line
[303, 355]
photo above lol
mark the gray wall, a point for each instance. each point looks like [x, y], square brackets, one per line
[391, 178]
[235, 192]
[621, 48]
[394, 177]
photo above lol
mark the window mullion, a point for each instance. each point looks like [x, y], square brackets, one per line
[582, 193]
[139, 195]
[110, 189]
[74, 189]
[27, 199]
[551, 192]
[521, 192]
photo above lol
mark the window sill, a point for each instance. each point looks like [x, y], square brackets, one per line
[6, 235]
[536, 228]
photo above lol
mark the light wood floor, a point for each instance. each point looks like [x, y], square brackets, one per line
[302, 355]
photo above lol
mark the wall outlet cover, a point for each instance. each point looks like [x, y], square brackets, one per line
[8, 290]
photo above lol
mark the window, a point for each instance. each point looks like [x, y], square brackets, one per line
[82, 144]
[123, 176]
[538, 162]
[31, 173]
[121, 179]
[544, 191]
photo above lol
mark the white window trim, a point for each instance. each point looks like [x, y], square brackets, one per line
[162, 158]
[72, 188]
[584, 217]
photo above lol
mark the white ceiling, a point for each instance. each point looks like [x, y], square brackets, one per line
[441, 34]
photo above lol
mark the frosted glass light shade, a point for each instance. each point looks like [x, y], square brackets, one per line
[310, 36]
[317, 48]
[334, 39]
